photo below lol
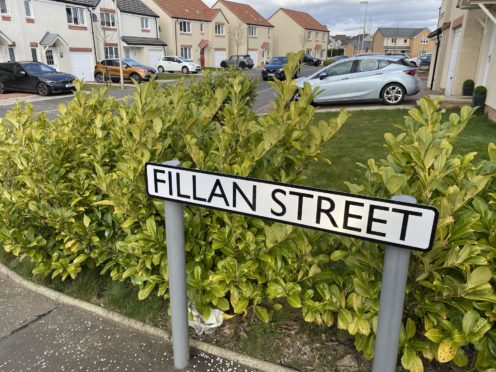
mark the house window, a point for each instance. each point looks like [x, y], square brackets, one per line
[424, 40]
[309, 37]
[322, 55]
[309, 51]
[111, 52]
[202, 27]
[252, 31]
[144, 23]
[49, 57]
[3, 7]
[12, 54]
[393, 40]
[107, 19]
[27, 9]
[34, 54]
[185, 26]
[268, 32]
[405, 41]
[75, 16]
[422, 52]
[219, 29]
[186, 52]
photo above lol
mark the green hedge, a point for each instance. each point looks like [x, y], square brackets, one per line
[72, 197]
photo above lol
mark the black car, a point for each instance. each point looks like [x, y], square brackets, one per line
[34, 77]
[314, 61]
[275, 69]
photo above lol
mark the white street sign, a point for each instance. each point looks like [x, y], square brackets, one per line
[401, 224]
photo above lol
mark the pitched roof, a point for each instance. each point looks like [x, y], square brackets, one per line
[400, 31]
[305, 20]
[191, 9]
[91, 3]
[135, 7]
[246, 13]
[342, 38]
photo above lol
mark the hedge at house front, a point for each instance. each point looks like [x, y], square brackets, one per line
[72, 198]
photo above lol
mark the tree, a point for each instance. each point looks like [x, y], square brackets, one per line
[238, 36]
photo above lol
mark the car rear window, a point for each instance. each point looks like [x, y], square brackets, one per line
[7, 68]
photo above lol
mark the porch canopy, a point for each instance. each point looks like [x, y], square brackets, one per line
[50, 40]
[4, 39]
[142, 41]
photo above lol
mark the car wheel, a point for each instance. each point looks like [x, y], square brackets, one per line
[184, 70]
[99, 77]
[242, 65]
[393, 94]
[161, 69]
[136, 77]
[2, 88]
[223, 64]
[43, 89]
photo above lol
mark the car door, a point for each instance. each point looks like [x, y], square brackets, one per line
[23, 82]
[367, 81]
[165, 63]
[7, 75]
[177, 65]
[334, 82]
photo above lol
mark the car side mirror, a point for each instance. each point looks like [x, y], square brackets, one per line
[22, 73]
[322, 75]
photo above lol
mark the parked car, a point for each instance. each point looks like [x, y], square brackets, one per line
[425, 59]
[241, 61]
[364, 78]
[275, 69]
[314, 61]
[110, 69]
[413, 61]
[176, 64]
[337, 58]
[34, 77]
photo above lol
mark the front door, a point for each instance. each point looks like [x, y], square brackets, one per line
[202, 57]
[490, 51]
[454, 58]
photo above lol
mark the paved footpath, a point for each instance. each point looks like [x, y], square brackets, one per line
[39, 334]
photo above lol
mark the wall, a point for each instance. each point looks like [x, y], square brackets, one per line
[416, 45]
[288, 35]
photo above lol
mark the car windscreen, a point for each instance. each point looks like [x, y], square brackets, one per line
[278, 61]
[131, 62]
[38, 68]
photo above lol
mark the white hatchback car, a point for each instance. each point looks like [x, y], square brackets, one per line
[177, 64]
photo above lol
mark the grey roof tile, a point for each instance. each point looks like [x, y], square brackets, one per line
[400, 31]
[135, 7]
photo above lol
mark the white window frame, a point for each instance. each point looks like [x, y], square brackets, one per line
[28, 4]
[185, 27]
[52, 56]
[309, 35]
[9, 50]
[268, 32]
[202, 27]
[252, 31]
[393, 40]
[110, 52]
[107, 19]
[219, 29]
[6, 12]
[186, 52]
[79, 13]
[145, 23]
[424, 40]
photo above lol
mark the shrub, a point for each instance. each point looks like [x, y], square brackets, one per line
[468, 83]
[480, 91]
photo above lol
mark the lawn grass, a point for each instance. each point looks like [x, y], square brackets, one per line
[362, 138]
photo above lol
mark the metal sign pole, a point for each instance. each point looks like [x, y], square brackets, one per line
[394, 278]
[176, 261]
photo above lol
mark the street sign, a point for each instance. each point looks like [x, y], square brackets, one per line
[396, 223]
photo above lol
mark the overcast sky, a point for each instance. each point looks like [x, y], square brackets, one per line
[346, 16]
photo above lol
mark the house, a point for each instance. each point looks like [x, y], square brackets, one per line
[295, 31]
[139, 31]
[249, 32]
[58, 33]
[192, 30]
[73, 35]
[411, 41]
[465, 48]
[359, 44]
[338, 41]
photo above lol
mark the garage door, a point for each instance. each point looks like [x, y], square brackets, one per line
[219, 55]
[82, 65]
[153, 56]
[253, 55]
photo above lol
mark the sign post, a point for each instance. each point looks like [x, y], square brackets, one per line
[391, 304]
[398, 223]
[176, 262]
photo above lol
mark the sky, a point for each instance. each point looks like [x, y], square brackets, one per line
[347, 16]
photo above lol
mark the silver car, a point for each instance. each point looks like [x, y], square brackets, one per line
[364, 78]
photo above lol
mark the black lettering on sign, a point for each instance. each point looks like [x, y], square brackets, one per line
[178, 185]
[300, 196]
[252, 204]
[348, 215]
[156, 180]
[406, 215]
[326, 211]
[221, 194]
[195, 196]
[283, 207]
[372, 219]
[170, 184]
